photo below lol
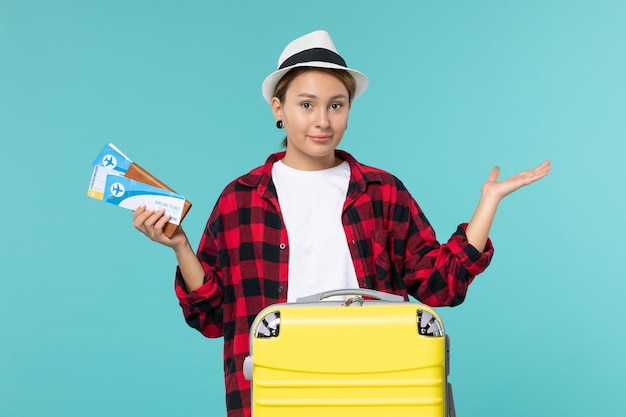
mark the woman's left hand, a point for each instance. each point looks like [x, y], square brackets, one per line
[492, 192]
[500, 189]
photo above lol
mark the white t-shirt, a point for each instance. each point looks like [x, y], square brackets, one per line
[311, 203]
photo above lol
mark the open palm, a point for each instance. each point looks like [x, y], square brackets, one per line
[502, 188]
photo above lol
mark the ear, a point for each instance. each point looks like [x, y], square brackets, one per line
[277, 108]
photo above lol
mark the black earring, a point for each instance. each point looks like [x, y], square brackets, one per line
[279, 124]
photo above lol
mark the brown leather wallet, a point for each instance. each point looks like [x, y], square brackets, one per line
[137, 173]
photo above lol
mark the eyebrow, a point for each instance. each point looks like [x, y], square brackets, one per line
[335, 97]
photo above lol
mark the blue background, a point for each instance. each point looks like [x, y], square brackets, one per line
[89, 325]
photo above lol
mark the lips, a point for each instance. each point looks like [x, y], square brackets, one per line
[320, 138]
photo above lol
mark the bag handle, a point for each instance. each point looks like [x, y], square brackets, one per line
[364, 292]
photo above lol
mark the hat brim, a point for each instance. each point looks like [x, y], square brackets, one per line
[269, 84]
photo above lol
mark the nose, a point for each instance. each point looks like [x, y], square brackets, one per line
[323, 121]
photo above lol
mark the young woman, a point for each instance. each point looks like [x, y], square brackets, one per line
[312, 219]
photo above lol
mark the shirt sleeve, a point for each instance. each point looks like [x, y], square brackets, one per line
[440, 274]
[471, 258]
[203, 308]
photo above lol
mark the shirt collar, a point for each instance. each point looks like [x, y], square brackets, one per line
[261, 177]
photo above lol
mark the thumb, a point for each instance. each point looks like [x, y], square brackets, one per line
[493, 175]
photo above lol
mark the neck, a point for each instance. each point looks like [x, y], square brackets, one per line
[311, 164]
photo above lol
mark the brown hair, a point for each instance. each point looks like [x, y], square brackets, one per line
[344, 76]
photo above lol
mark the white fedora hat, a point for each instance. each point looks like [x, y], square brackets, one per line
[315, 49]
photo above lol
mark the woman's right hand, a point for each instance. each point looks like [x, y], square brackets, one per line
[151, 223]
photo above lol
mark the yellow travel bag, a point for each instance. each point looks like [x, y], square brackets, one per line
[369, 355]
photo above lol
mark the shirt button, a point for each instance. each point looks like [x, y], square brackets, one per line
[281, 288]
[282, 246]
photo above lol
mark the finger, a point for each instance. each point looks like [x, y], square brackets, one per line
[138, 211]
[493, 175]
[143, 219]
[162, 221]
[140, 216]
[152, 227]
[537, 173]
[145, 222]
[154, 217]
[544, 167]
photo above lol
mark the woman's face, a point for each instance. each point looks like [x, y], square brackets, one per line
[315, 115]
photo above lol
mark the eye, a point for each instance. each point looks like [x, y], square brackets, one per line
[306, 105]
[336, 106]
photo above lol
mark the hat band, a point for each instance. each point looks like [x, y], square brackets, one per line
[311, 55]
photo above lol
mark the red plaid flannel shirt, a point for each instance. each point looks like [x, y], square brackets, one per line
[245, 251]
